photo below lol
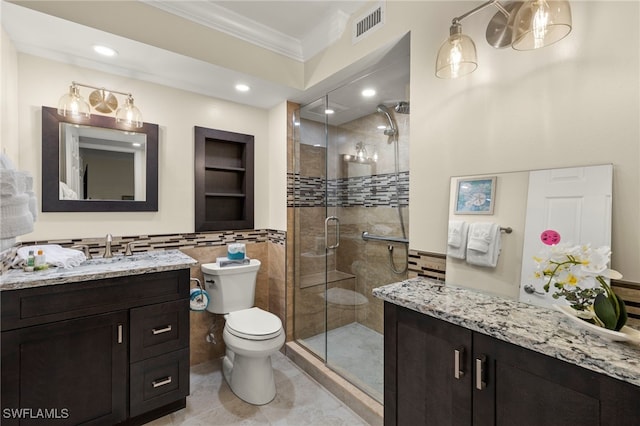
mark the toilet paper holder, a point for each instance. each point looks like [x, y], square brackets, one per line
[199, 299]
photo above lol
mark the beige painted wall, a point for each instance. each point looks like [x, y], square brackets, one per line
[42, 82]
[277, 161]
[573, 103]
[8, 97]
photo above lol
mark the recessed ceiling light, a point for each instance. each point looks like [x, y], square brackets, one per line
[381, 127]
[104, 50]
[242, 87]
[328, 111]
[367, 93]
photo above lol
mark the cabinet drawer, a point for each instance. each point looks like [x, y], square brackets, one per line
[158, 381]
[158, 329]
[40, 305]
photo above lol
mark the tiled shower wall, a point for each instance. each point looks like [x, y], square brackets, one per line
[364, 197]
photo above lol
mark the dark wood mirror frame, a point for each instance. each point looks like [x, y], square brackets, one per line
[51, 167]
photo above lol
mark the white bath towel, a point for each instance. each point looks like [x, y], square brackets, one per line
[457, 240]
[54, 254]
[15, 217]
[8, 183]
[483, 247]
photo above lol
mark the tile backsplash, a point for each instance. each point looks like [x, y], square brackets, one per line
[144, 243]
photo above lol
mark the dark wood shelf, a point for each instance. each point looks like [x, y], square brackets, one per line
[224, 180]
[224, 194]
[228, 169]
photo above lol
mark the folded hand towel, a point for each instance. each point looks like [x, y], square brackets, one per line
[457, 241]
[55, 255]
[15, 217]
[455, 233]
[8, 183]
[483, 248]
[480, 236]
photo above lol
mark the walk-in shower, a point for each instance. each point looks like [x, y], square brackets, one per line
[349, 193]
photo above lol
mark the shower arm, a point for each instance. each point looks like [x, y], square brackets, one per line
[366, 236]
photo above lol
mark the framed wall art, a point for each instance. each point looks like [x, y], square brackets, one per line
[475, 195]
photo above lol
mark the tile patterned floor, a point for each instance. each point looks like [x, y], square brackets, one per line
[356, 352]
[299, 401]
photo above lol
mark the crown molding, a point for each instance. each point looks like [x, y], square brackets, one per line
[324, 33]
[221, 19]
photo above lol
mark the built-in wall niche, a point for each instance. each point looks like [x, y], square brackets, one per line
[223, 180]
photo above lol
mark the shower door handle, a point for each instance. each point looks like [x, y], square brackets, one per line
[326, 232]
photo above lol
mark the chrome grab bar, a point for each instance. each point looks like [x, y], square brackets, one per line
[366, 236]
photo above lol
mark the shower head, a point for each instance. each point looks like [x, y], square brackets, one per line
[402, 107]
[392, 129]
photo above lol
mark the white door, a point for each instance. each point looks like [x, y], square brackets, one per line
[576, 203]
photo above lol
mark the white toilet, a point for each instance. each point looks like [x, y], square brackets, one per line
[250, 334]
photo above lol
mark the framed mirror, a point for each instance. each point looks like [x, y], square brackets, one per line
[97, 165]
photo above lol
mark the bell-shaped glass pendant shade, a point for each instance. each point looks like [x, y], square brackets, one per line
[540, 23]
[457, 55]
[129, 115]
[73, 105]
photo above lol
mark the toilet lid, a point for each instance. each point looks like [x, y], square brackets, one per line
[254, 324]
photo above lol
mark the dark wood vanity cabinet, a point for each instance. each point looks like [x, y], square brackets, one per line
[437, 373]
[98, 352]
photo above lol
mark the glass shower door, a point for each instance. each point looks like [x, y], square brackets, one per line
[351, 177]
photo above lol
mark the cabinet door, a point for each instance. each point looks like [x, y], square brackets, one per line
[66, 373]
[523, 387]
[431, 362]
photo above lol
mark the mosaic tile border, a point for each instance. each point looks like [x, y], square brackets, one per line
[143, 243]
[361, 191]
[425, 264]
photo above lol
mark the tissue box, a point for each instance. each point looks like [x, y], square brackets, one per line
[225, 261]
[236, 251]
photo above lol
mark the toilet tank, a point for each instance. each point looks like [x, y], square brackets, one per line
[230, 288]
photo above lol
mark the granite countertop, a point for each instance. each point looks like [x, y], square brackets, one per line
[98, 268]
[542, 330]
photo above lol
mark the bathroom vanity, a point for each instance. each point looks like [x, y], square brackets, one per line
[104, 343]
[459, 357]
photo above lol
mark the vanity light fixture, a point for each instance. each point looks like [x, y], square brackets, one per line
[522, 25]
[102, 100]
[362, 156]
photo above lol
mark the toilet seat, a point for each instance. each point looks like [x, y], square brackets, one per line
[253, 324]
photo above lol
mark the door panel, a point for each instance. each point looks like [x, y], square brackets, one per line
[575, 202]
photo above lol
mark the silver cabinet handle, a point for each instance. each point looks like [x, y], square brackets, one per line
[480, 383]
[161, 330]
[457, 370]
[119, 333]
[326, 232]
[161, 382]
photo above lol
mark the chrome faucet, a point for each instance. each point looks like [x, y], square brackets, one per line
[128, 251]
[107, 246]
[84, 248]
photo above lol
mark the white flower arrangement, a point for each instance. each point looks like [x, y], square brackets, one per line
[579, 274]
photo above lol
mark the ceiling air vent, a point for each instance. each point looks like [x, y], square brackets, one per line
[368, 23]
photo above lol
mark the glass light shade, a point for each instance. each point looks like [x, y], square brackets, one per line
[540, 23]
[129, 114]
[73, 105]
[457, 56]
